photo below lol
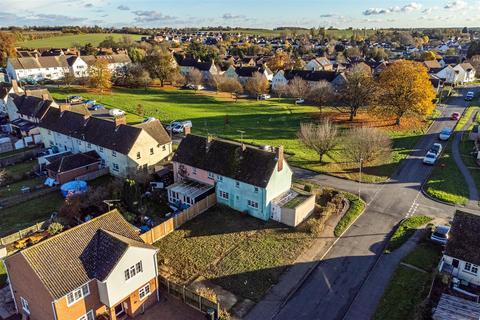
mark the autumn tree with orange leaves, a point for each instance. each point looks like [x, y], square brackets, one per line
[405, 89]
[100, 76]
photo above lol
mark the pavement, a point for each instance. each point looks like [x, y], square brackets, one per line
[339, 285]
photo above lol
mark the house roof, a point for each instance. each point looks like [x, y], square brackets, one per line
[4, 89]
[74, 257]
[451, 307]
[466, 66]
[252, 165]
[432, 64]
[248, 71]
[308, 75]
[464, 237]
[72, 161]
[101, 132]
[30, 104]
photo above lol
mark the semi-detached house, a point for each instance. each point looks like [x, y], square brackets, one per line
[244, 178]
[101, 266]
[124, 149]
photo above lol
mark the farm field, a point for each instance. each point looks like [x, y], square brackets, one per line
[273, 122]
[65, 41]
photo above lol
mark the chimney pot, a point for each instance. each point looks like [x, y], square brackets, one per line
[45, 97]
[187, 130]
[280, 158]
[15, 86]
[120, 120]
[64, 107]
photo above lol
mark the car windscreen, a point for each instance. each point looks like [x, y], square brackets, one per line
[439, 235]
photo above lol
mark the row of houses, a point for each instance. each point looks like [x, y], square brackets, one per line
[57, 67]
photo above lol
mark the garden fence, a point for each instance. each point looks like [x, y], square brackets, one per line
[22, 233]
[164, 228]
[189, 297]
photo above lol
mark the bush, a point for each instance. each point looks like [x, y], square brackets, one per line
[308, 188]
[405, 230]
[356, 208]
[55, 228]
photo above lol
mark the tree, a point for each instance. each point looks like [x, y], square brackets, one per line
[135, 76]
[257, 84]
[160, 65]
[55, 228]
[68, 78]
[298, 88]
[281, 89]
[475, 62]
[70, 210]
[195, 77]
[357, 91]
[322, 93]
[231, 85]
[321, 138]
[100, 76]
[429, 56]
[405, 88]
[7, 46]
[278, 62]
[136, 54]
[364, 144]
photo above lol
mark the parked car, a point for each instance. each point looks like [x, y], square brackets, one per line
[90, 102]
[265, 96]
[149, 119]
[455, 116]
[178, 126]
[430, 158]
[74, 99]
[116, 112]
[469, 96]
[445, 134]
[436, 149]
[440, 234]
[96, 107]
[299, 101]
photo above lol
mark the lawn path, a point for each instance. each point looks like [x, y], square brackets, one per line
[472, 188]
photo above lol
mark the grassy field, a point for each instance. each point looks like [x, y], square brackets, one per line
[409, 287]
[271, 122]
[15, 188]
[18, 170]
[28, 213]
[405, 230]
[242, 254]
[65, 41]
[337, 34]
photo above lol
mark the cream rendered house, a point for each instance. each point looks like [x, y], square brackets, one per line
[124, 148]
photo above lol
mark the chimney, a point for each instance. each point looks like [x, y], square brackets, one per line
[120, 120]
[64, 107]
[280, 158]
[15, 86]
[244, 147]
[187, 130]
[209, 142]
[45, 97]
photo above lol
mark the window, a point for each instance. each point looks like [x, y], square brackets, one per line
[138, 155]
[210, 175]
[133, 270]
[25, 306]
[144, 291]
[80, 142]
[77, 294]
[470, 267]
[89, 145]
[253, 204]
[219, 178]
[100, 149]
[164, 148]
[224, 195]
[115, 167]
[49, 132]
[237, 184]
[87, 316]
[255, 189]
[151, 150]
[114, 153]
[194, 171]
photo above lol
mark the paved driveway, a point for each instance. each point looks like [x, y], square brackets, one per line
[170, 308]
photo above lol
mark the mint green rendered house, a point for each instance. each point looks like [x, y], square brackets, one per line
[245, 178]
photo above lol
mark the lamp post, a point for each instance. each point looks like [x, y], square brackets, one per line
[360, 178]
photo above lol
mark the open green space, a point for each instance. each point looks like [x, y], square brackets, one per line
[357, 206]
[270, 122]
[425, 256]
[467, 147]
[65, 41]
[242, 254]
[446, 183]
[27, 213]
[405, 230]
[15, 188]
[19, 170]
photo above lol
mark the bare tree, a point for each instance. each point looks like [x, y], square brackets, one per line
[231, 85]
[367, 144]
[195, 78]
[358, 91]
[322, 93]
[298, 88]
[281, 89]
[321, 138]
[257, 84]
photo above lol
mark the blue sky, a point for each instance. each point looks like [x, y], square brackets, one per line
[243, 13]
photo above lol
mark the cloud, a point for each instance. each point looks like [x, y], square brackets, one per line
[229, 16]
[123, 7]
[88, 5]
[412, 6]
[456, 5]
[327, 15]
[151, 15]
[40, 19]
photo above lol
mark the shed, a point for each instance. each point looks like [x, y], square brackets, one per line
[292, 207]
[451, 307]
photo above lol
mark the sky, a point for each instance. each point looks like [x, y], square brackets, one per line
[242, 13]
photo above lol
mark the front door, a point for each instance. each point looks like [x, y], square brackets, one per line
[119, 310]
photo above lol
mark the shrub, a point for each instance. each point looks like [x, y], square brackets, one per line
[55, 228]
[356, 208]
[308, 188]
[405, 230]
[207, 293]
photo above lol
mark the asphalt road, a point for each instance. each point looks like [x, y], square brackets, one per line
[333, 289]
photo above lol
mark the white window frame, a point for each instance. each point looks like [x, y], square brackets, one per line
[224, 195]
[132, 271]
[100, 149]
[115, 166]
[237, 184]
[77, 294]
[114, 153]
[470, 267]
[219, 178]
[25, 305]
[211, 175]
[255, 189]
[253, 204]
[194, 171]
[144, 292]
[87, 316]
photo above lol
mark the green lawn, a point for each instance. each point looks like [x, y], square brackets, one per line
[15, 188]
[405, 230]
[18, 170]
[408, 288]
[65, 41]
[466, 148]
[357, 206]
[446, 182]
[28, 213]
[3, 274]
[242, 254]
[271, 122]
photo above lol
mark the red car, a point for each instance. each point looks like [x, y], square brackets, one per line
[455, 116]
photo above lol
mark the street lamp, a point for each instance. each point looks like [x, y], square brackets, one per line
[360, 178]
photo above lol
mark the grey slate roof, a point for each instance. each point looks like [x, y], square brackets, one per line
[72, 161]
[252, 165]
[464, 237]
[31, 105]
[74, 257]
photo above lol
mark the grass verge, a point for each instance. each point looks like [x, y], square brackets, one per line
[425, 256]
[3, 274]
[405, 230]
[357, 206]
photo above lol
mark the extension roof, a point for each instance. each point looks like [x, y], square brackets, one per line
[464, 237]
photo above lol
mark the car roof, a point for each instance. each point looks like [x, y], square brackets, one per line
[442, 228]
[446, 129]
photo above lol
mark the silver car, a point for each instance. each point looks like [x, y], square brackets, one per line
[440, 234]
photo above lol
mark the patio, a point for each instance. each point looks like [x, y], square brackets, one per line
[172, 309]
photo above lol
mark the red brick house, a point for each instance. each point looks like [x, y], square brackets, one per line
[71, 166]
